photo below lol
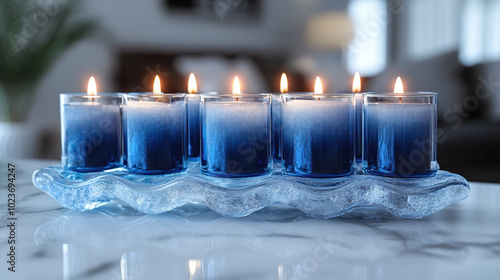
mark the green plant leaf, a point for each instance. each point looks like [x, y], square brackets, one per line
[31, 39]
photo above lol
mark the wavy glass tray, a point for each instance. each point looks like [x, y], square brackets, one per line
[236, 197]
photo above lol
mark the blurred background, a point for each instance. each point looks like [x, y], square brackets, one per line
[448, 46]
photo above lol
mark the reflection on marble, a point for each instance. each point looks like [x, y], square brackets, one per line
[197, 235]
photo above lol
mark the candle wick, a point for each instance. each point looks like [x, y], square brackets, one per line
[92, 100]
[237, 99]
[400, 100]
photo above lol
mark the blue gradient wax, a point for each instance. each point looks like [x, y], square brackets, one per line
[91, 136]
[276, 126]
[400, 139]
[194, 123]
[358, 131]
[236, 138]
[317, 138]
[155, 136]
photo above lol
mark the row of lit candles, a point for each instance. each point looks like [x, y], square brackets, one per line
[193, 86]
[388, 140]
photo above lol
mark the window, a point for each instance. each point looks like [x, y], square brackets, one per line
[367, 52]
[432, 27]
[480, 36]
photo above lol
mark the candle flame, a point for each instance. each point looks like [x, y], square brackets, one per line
[356, 83]
[192, 86]
[318, 87]
[157, 85]
[92, 88]
[236, 86]
[398, 87]
[284, 84]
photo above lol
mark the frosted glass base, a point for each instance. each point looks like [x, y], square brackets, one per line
[321, 198]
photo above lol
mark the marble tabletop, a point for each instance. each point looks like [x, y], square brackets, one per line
[461, 241]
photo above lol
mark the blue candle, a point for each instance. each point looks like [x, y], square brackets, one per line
[400, 134]
[194, 123]
[91, 129]
[358, 117]
[155, 127]
[193, 118]
[317, 134]
[276, 118]
[236, 135]
[358, 131]
[276, 126]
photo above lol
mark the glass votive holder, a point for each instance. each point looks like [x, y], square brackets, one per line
[155, 133]
[358, 127]
[91, 131]
[318, 134]
[236, 135]
[193, 101]
[193, 124]
[400, 134]
[276, 126]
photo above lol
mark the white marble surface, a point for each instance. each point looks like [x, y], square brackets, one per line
[116, 242]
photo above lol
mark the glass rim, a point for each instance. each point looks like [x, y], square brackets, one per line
[255, 97]
[211, 92]
[311, 92]
[318, 95]
[99, 95]
[412, 94]
[219, 94]
[152, 95]
[297, 92]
